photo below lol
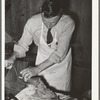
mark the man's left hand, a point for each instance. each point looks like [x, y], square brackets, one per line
[29, 72]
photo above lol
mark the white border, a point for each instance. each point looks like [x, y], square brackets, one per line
[3, 48]
[95, 54]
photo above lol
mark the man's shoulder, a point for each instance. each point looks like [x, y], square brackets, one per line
[66, 19]
[33, 22]
[35, 18]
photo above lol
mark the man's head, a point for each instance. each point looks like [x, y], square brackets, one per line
[51, 8]
[51, 11]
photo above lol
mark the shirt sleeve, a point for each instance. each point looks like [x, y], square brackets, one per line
[23, 44]
[63, 43]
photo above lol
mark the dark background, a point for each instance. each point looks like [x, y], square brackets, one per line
[17, 12]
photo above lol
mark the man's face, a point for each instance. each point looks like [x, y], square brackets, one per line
[50, 22]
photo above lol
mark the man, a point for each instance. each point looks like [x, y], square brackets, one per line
[51, 31]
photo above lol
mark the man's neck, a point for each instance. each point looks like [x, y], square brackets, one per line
[50, 22]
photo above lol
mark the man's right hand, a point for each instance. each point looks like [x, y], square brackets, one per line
[9, 63]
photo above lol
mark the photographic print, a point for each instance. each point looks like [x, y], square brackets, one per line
[48, 50]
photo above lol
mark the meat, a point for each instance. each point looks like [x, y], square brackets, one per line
[36, 90]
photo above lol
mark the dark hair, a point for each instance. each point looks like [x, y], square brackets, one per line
[51, 8]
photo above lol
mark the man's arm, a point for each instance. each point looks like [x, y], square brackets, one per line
[21, 47]
[56, 57]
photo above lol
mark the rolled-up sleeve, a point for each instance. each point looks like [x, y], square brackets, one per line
[63, 43]
[23, 44]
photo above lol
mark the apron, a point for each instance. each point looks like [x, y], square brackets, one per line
[58, 75]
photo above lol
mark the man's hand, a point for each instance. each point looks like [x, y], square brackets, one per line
[8, 64]
[29, 72]
[33, 71]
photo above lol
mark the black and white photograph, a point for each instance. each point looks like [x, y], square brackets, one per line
[48, 50]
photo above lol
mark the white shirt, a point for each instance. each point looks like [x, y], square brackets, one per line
[32, 30]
